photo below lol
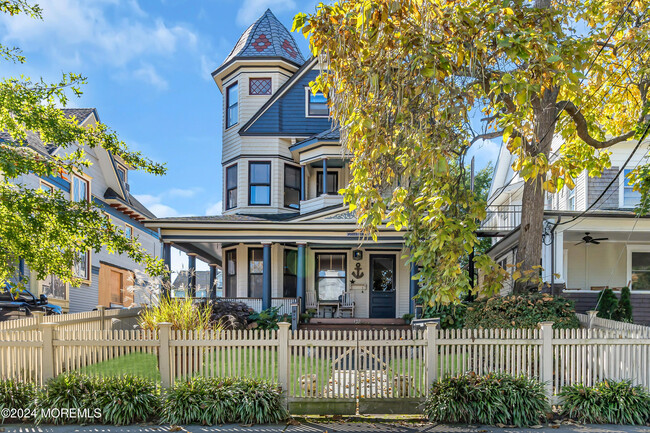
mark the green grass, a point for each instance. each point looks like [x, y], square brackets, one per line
[139, 364]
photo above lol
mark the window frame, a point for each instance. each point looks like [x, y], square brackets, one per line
[229, 106]
[89, 269]
[248, 265]
[73, 190]
[621, 190]
[308, 112]
[319, 188]
[43, 283]
[250, 79]
[230, 292]
[630, 250]
[228, 207]
[128, 226]
[317, 277]
[292, 167]
[124, 171]
[251, 184]
[46, 186]
[286, 274]
[571, 199]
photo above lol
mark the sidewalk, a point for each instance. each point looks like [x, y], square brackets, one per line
[331, 427]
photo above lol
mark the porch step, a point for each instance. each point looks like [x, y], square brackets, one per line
[345, 324]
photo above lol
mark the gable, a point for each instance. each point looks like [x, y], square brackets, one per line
[286, 116]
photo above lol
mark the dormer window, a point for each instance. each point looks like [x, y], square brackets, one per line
[259, 86]
[316, 104]
[121, 173]
[232, 105]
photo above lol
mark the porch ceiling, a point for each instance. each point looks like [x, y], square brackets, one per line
[210, 252]
[613, 236]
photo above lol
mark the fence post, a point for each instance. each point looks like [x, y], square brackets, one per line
[47, 331]
[432, 353]
[102, 316]
[38, 316]
[283, 358]
[591, 314]
[547, 358]
[163, 354]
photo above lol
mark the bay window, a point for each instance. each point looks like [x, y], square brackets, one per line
[291, 187]
[232, 105]
[231, 187]
[259, 183]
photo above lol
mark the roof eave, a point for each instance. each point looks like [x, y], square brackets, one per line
[223, 71]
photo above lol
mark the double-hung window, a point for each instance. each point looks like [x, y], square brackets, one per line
[82, 266]
[232, 105]
[80, 189]
[290, 273]
[255, 272]
[630, 198]
[640, 271]
[231, 187]
[259, 181]
[231, 273]
[316, 104]
[291, 187]
[330, 276]
[332, 183]
[571, 199]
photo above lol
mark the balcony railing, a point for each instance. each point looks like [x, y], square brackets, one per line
[502, 218]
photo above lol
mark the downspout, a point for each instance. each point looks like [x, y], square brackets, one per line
[559, 218]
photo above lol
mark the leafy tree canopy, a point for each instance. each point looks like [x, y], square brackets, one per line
[44, 228]
[406, 79]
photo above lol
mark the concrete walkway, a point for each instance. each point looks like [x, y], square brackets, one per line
[330, 427]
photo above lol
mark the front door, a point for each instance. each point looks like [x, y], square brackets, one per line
[382, 286]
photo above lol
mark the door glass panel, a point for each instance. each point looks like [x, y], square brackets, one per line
[382, 274]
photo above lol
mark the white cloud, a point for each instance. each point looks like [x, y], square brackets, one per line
[250, 10]
[154, 204]
[79, 29]
[184, 192]
[148, 74]
[214, 209]
[484, 151]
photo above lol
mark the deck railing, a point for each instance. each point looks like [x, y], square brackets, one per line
[502, 218]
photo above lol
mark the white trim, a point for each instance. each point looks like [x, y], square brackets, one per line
[634, 249]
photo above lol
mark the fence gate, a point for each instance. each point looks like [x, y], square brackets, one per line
[349, 372]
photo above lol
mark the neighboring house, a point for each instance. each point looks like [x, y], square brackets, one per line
[202, 284]
[106, 276]
[285, 232]
[609, 246]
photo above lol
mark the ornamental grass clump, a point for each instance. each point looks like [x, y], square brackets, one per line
[110, 400]
[182, 313]
[16, 395]
[491, 399]
[211, 401]
[607, 402]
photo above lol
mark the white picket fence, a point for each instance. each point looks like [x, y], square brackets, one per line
[99, 319]
[339, 367]
[590, 320]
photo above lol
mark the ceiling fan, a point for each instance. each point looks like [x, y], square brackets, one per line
[589, 240]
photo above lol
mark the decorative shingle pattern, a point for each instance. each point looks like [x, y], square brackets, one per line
[266, 37]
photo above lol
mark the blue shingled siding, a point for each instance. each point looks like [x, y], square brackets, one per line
[287, 114]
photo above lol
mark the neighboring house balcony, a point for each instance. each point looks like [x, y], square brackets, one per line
[501, 219]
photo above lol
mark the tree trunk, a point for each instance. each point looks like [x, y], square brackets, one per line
[529, 252]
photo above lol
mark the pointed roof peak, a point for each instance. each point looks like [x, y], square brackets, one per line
[266, 37]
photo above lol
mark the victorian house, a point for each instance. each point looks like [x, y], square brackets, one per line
[284, 234]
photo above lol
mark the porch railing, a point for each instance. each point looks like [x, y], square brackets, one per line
[502, 218]
[256, 303]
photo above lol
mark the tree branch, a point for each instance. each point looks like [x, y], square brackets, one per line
[583, 131]
[486, 136]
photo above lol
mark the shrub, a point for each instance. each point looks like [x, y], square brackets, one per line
[521, 311]
[267, 319]
[607, 303]
[229, 315]
[16, 395]
[230, 400]
[451, 316]
[490, 399]
[623, 311]
[118, 400]
[607, 402]
[182, 313]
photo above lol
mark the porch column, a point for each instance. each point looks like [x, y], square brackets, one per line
[324, 176]
[559, 256]
[167, 258]
[300, 288]
[266, 276]
[21, 269]
[191, 274]
[303, 182]
[213, 280]
[413, 288]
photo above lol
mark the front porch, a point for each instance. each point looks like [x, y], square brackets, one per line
[323, 265]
